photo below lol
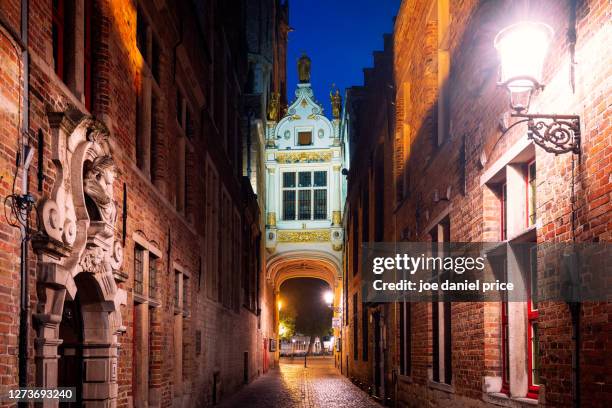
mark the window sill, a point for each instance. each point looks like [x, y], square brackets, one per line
[441, 386]
[503, 400]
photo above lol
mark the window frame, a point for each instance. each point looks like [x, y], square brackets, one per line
[58, 22]
[311, 189]
[531, 196]
[532, 319]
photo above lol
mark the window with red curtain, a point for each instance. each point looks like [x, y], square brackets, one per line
[57, 32]
[87, 60]
[533, 349]
[505, 348]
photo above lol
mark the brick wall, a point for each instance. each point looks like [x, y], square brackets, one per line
[180, 235]
[471, 146]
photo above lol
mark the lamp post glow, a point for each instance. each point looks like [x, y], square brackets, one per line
[328, 297]
[522, 49]
[280, 305]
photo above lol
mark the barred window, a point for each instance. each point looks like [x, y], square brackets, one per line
[305, 204]
[289, 205]
[138, 269]
[320, 204]
[310, 192]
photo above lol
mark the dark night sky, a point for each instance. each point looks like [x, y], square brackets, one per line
[339, 36]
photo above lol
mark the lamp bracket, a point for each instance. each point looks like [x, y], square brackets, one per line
[554, 133]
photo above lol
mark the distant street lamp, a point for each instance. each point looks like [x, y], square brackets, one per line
[522, 49]
[328, 297]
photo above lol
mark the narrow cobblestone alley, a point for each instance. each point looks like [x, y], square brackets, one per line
[318, 385]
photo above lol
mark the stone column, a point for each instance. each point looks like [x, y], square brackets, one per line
[272, 194]
[336, 196]
[100, 375]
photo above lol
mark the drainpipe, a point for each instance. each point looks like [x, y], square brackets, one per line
[26, 155]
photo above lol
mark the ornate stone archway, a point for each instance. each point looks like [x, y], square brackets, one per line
[303, 264]
[78, 251]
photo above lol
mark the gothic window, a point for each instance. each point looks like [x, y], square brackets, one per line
[304, 194]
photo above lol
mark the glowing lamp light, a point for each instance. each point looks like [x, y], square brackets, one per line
[522, 49]
[328, 297]
[282, 330]
[280, 305]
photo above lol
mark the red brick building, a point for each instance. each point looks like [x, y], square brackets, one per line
[447, 172]
[144, 250]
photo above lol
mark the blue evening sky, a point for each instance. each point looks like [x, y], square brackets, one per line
[339, 37]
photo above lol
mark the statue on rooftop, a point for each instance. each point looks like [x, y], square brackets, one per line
[304, 69]
[336, 102]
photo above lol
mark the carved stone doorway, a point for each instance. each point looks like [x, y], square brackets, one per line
[70, 351]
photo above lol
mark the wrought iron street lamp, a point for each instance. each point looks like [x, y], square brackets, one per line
[522, 49]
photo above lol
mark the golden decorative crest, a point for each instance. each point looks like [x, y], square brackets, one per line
[303, 157]
[303, 236]
[295, 117]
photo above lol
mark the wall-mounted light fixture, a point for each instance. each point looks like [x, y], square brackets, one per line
[522, 48]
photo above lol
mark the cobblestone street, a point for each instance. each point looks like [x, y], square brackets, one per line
[318, 385]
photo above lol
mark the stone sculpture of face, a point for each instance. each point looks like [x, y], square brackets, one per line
[98, 185]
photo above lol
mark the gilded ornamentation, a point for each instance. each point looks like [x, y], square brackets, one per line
[273, 106]
[271, 221]
[303, 236]
[336, 218]
[295, 117]
[336, 101]
[303, 157]
[337, 247]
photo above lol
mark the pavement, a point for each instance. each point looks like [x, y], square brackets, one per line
[320, 385]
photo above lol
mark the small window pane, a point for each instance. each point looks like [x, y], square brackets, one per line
[138, 269]
[320, 178]
[320, 204]
[304, 138]
[304, 202]
[141, 34]
[289, 205]
[177, 279]
[288, 180]
[304, 179]
[185, 294]
[152, 276]
[535, 354]
[531, 179]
